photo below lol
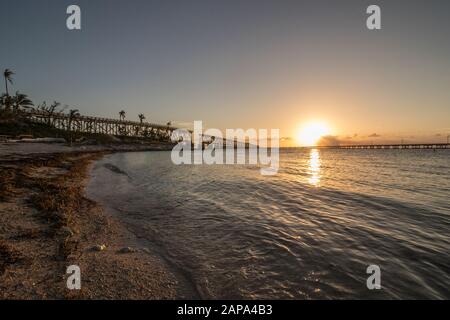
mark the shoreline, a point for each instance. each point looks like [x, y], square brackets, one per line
[47, 223]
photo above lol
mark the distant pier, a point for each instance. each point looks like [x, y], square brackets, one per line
[393, 146]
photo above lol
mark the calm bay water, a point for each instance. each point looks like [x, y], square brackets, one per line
[308, 232]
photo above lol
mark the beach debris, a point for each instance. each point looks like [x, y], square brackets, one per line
[127, 250]
[99, 247]
[146, 250]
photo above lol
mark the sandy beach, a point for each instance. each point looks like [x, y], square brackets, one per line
[47, 224]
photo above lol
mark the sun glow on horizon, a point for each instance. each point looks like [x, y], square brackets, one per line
[310, 133]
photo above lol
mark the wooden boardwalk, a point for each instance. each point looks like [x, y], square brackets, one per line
[101, 125]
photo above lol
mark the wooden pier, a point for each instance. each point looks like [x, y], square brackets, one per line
[101, 125]
[394, 146]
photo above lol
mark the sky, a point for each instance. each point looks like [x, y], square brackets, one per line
[241, 64]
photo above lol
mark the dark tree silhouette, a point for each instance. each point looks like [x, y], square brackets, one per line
[7, 74]
[6, 102]
[21, 101]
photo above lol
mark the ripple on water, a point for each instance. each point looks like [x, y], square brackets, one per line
[238, 234]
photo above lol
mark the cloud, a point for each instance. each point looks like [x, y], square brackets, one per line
[330, 141]
[374, 135]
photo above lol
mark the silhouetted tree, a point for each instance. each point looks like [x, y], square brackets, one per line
[51, 110]
[122, 114]
[21, 101]
[42, 106]
[141, 117]
[53, 107]
[7, 74]
[6, 102]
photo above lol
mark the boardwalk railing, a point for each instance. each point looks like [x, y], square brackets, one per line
[100, 125]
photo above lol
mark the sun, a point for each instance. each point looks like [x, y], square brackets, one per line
[311, 132]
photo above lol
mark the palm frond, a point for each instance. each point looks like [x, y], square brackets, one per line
[7, 74]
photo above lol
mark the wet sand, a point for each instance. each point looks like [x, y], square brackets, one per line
[47, 224]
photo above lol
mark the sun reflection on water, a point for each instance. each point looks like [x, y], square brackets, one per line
[314, 167]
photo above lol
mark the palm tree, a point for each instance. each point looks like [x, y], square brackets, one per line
[21, 101]
[141, 117]
[7, 74]
[122, 115]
